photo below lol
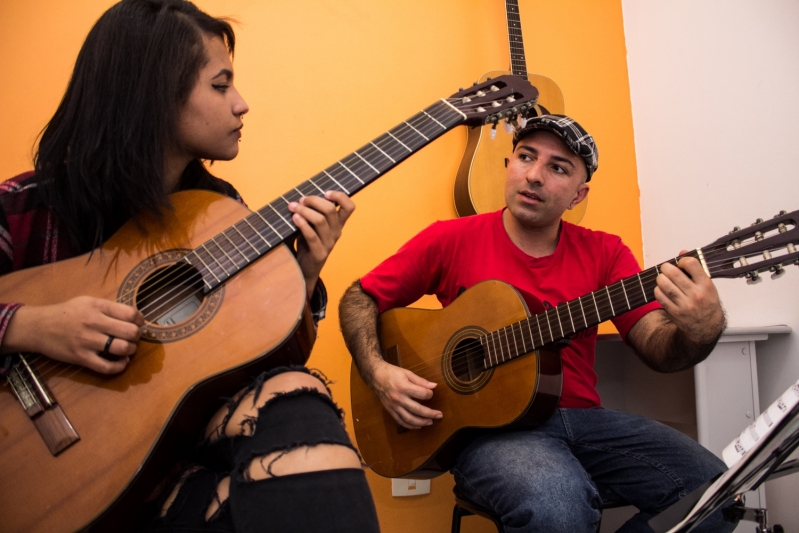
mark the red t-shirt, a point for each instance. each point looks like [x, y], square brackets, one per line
[450, 256]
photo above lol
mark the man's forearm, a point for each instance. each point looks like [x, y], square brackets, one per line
[664, 347]
[358, 319]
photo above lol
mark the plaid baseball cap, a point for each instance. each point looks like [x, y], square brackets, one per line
[575, 137]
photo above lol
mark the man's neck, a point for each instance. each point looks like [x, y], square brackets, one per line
[533, 241]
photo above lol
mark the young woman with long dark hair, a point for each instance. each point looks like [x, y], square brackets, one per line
[151, 97]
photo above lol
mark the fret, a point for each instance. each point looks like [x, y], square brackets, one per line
[557, 314]
[300, 193]
[351, 172]
[625, 295]
[317, 186]
[213, 257]
[549, 325]
[486, 350]
[268, 224]
[540, 333]
[494, 343]
[612, 311]
[570, 317]
[596, 307]
[585, 320]
[507, 345]
[197, 255]
[231, 237]
[336, 182]
[521, 335]
[363, 171]
[402, 143]
[188, 259]
[382, 152]
[515, 345]
[367, 162]
[417, 131]
[443, 127]
[281, 216]
[642, 287]
[221, 247]
[244, 237]
[247, 221]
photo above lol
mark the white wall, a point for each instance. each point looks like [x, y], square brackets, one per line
[715, 96]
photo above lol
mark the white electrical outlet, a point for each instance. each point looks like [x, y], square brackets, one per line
[410, 487]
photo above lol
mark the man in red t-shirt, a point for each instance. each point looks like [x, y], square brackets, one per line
[543, 479]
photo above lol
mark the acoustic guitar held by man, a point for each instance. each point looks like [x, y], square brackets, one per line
[545, 478]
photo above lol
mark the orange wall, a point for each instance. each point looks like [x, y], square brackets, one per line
[322, 78]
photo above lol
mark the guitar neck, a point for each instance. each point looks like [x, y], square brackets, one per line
[227, 253]
[572, 317]
[518, 63]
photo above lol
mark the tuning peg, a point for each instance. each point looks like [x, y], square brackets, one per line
[480, 93]
[758, 221]
[736, 228]
[489, 79]
[481, 109]
[460, 89]
[754, 278]
[508, 126]
[493, 134]
[522, 122]
[778, 271]
[494, 88]
[475, 83]
[781, 213]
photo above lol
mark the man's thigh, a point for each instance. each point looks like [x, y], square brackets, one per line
[645, 462]
[531, 479]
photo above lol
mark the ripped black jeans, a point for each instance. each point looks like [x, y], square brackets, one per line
[334, 500]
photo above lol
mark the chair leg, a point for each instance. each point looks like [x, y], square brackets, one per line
[457, 514]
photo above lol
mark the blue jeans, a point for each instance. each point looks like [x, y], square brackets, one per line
[543, 479]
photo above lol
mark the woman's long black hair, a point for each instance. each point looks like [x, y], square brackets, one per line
[100, 159]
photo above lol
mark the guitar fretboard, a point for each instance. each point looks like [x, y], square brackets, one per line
[245, 241]
[565, 320]
[518, 63]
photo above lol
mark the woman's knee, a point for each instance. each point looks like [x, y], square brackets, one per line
[238, 416]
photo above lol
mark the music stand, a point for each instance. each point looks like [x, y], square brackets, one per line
[748, 473]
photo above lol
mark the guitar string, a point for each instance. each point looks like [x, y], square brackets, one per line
[342, 175]
[61, 367]
[562, 311]
[604, 308]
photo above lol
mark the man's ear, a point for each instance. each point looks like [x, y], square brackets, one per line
[581, 194]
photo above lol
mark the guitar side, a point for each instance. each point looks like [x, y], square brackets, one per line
[131, 424]
[523, 392]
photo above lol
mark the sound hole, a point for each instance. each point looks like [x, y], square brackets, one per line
[467, 360]
[170, 295]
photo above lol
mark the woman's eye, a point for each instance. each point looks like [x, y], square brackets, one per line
[220, 87]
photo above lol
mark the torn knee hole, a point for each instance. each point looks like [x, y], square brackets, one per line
[301, 459]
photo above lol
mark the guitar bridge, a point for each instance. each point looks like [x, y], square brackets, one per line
[41, 407]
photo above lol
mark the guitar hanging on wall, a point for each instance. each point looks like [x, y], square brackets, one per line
[223, 298]
[480, 181]
[496, 360]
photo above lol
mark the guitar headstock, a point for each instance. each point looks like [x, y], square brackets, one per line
[764, 246]
[501, 98]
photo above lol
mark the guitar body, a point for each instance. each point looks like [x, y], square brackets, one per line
[437, 345]
[132, 425]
